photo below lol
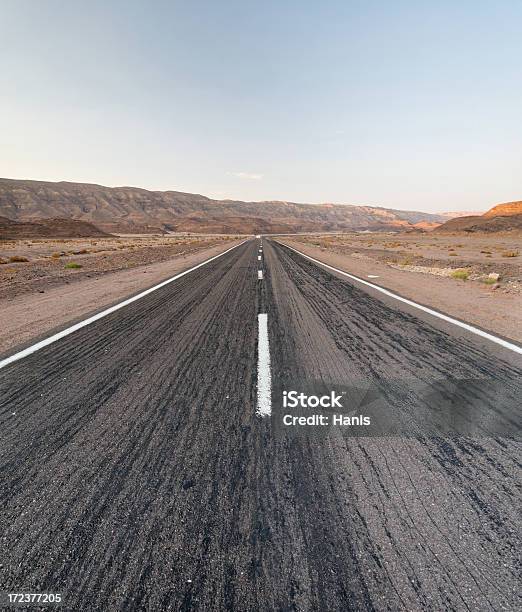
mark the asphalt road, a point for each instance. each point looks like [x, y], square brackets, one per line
[135, 474]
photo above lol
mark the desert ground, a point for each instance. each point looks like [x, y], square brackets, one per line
[35, 265]
[46, 283]
[476, 278]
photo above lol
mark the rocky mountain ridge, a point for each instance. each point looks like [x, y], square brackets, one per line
[132, 209]
[505, 217]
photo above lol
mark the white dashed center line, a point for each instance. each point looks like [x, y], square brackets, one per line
[264, 379]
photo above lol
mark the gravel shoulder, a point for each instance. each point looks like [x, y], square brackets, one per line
[38, 304]
[495, 309]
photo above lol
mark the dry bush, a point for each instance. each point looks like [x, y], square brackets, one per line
[510, 254]
[17, 259]
[460, 274]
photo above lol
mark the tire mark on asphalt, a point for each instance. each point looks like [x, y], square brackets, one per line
[364, 317]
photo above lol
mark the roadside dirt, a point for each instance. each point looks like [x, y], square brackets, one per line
[42, 295]
[28, 266]
[420, 268]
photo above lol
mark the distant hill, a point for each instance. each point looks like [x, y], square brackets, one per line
[460, 213]
[131, 209]
[505, 210]
[501, 218]
[48, 228]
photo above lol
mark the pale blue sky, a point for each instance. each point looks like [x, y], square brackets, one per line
[415, 105]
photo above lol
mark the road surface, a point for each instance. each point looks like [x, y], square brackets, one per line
[136, 475]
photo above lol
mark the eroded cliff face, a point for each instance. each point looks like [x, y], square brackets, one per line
[131, 208]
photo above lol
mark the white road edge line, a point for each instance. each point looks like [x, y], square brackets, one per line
[466, 326]
[66, 332]
[259, 258]
[264, 380]
[260, 274]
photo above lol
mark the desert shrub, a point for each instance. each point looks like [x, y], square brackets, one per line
[17, 259]
[3, 261]
[72, 265]
[452, 254]
[510, 254]
[81, 252]
[407, 261]
[56, 255]
[486, 252]
[489, 281]
[460, 274]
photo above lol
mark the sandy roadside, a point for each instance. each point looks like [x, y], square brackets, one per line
[31, 316]
[497, 312]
